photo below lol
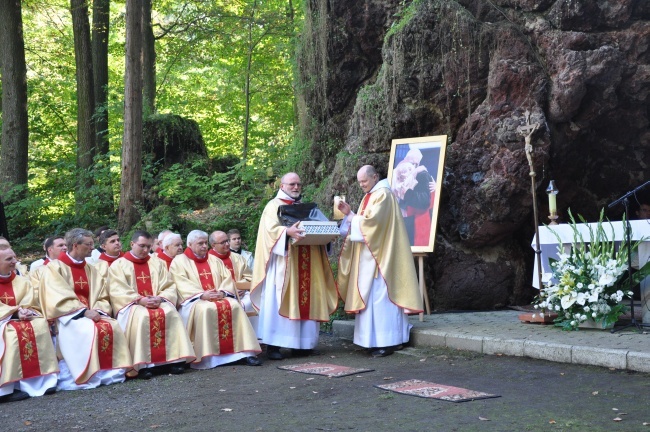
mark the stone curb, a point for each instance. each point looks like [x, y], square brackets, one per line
[556, 352]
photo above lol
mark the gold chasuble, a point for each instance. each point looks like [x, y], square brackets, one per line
[155, 336]
[215, 327]
[308, 290]
[26, 349]
[385, 251]
[67, 289]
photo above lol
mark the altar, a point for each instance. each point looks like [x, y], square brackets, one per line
[548, 240]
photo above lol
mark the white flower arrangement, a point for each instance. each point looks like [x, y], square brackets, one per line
[590, 282]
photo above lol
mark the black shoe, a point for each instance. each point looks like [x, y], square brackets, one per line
[50, 391]
[382, 352]
[252, 361]
[303, 352]
[177, 369]
[16, 396]
[145, 374]
[273, 352]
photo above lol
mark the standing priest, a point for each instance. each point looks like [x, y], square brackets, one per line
[144, 296]
[293, 286]
[215, 321]
[74, 294]
[376, 275]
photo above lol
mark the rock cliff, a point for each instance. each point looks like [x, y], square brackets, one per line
[371, 71]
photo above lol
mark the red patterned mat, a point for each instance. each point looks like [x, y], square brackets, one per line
[328, 370]
[435, 391]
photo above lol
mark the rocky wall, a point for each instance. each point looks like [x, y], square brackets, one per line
[471, 69]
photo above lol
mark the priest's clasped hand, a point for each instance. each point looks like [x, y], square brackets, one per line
[212, 295]
[151, 302]
[295, 232]
[26, 314]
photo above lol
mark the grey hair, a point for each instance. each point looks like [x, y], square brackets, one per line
[169, 239]
[76, 236]
[163, 234]
[195, 235]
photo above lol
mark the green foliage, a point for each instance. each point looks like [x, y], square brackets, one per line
[187, 187]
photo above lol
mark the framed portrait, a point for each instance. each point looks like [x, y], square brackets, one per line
[415, 175]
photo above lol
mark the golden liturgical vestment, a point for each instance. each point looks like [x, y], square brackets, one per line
[384, 251]
[216, 328]
[306, 286]
[155, 336]
[26, 349]
[67, 290]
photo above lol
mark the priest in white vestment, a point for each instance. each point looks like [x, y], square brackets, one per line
[376, 276]
[73, 293]
[143, 296]
[215, 321]
[28, 365]
[293, 284]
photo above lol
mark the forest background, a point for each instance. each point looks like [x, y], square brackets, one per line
[107, 81]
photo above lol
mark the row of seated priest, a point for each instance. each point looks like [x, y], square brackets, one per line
[77, 322]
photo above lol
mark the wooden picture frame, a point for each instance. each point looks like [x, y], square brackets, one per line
[412, 162]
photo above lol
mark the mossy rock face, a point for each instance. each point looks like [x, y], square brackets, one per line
[170, 139]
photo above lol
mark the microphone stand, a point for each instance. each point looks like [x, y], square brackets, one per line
[625, 200]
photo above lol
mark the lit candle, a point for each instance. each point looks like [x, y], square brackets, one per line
[552, 203]
[552, 197]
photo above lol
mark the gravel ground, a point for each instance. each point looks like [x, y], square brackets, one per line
[535, 395]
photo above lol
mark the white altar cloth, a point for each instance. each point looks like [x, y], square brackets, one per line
[549, 242]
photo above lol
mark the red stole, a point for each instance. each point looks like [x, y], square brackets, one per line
[142, 274]
[82, 291]
[79, 278]
[366, 199]
[224, 312]
[46, 261]
[163, 256]
[304, 275]
[157, 342]
[27, 348]
[7, 295]
[304, 280]
[225, 258]
[202, 265]
[109, 259]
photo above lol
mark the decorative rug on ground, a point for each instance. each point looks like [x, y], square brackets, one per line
[426, 389]
[328, 370]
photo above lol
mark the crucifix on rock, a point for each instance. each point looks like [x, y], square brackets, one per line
[527, 130]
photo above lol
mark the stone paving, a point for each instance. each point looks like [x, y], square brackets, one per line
[501, 332]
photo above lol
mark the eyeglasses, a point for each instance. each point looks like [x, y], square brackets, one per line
[87, 244]
[293, 184]
[224, 242]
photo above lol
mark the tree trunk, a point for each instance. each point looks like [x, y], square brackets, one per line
[99, 45]
[101, 21]
[131, 194]
[247, 84]
[15, 134]
[149, 61]
[86, 146]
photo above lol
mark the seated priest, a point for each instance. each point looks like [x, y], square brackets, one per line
[143, 297]
[170, 246]
[234, 236]
[239, 270]
[27, 359]
[215, 321]
[110, 242]
[52, 246]
[21, 269]
[75, 295]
